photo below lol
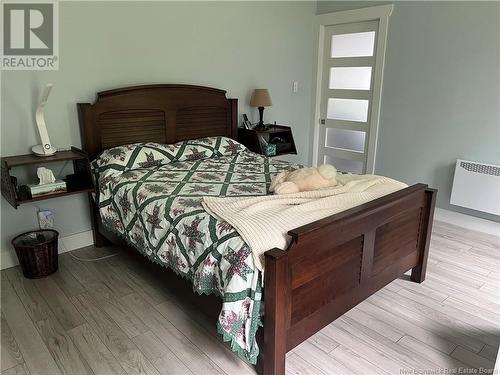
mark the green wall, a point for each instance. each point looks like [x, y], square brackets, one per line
[237, 46]
[441, 90]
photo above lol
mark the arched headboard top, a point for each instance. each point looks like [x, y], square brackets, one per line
[163, 113]
[160, 86]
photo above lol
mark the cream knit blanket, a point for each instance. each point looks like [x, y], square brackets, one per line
[263, 222]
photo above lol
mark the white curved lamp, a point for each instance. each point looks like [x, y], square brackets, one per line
[44, 149]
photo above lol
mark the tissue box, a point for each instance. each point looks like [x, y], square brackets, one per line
[55, 187]
[270, 149]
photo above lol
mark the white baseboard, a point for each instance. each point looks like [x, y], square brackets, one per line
[75, 241]
[78, 240]
[467, 221]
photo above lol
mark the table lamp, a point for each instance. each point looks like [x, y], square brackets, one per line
[261, 99]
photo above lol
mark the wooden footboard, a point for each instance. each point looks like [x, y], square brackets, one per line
[335, 263]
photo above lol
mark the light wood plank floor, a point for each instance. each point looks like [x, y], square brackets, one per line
[115, 317]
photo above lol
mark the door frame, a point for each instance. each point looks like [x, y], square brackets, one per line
[380, 13]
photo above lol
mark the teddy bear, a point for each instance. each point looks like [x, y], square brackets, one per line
[304, 179]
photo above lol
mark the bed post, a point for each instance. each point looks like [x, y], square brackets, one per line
[276, 296]
[99, 239]
[233, 123]
[418, 272]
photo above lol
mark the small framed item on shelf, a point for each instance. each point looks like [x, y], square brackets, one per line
[246, 122]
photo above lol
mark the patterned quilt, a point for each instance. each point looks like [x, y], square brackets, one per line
[150, 195]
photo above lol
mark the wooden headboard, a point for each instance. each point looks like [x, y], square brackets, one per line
[155, 113]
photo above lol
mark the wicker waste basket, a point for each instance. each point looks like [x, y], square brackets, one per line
[37, 252]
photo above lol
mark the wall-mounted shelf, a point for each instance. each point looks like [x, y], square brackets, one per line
[79, 182]
[251, 139]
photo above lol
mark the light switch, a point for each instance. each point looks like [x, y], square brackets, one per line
[295, 86]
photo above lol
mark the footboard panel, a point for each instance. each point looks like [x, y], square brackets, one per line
[396, 239]
[340, 268]
[337, 262]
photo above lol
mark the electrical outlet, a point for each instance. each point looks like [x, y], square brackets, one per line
[45, 219]
[295, 86]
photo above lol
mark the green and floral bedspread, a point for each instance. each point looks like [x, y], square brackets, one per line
[150, 194]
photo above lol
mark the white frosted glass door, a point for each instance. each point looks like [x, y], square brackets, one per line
[350, 140]
[347, 84]
[351, 78]
[347, 109]
[353, 44]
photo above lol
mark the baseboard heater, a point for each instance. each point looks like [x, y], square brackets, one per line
[476, 186]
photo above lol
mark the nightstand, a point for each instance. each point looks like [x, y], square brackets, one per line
[79, 182]
[279, 135]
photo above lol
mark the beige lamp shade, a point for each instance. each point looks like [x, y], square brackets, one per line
[261, 98]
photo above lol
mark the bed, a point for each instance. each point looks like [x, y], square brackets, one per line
[331, 264]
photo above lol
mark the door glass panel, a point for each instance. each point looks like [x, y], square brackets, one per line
[345, 165]
[347, 109]
[352, 140]
[353, 44]
[351, 78]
